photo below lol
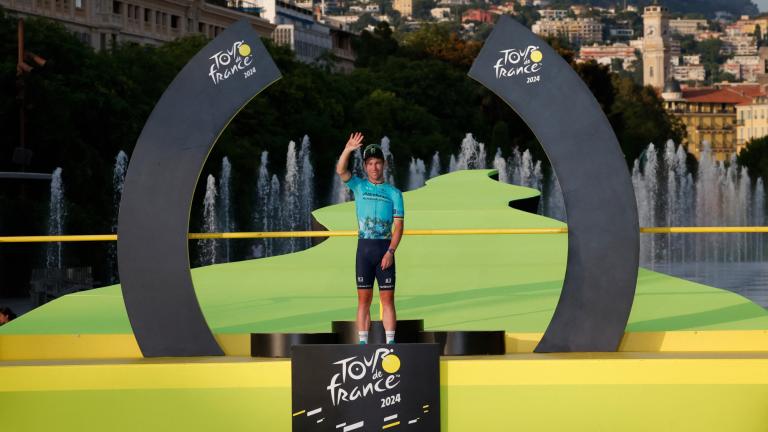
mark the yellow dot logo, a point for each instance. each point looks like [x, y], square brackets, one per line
[391, 363]
[536, 56]
[244, 50]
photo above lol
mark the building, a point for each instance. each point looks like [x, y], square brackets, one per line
[709, 114]
[708, 34]
[578, 30]
[739, 44]
[604, 54]
[478, 15]
[690, 27]
[752, 121]
[656, 46]
[441, 13]
[689, 73]
[626, 33]
[748, 26]
[744, 68]
[102, 23]
[688, 68]
[297, 29]
[405, 7]
[553, 13]
[579, 10]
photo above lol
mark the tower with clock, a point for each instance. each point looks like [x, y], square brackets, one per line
[656, 65]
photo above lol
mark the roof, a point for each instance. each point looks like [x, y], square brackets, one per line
[742, 94]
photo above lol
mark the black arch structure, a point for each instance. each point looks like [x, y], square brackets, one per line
[153, 258]
[603, 235]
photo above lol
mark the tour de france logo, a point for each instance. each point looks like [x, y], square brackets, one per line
[359, 377]
[515, 62]
[229, 62]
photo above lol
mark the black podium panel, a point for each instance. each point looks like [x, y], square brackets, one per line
[279, 344]
[467, 343]
[345, 388]
[407, 331]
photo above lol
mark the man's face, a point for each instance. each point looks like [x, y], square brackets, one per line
[374, 168]
[3, 318]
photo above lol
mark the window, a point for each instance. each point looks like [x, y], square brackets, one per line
[78, 4]
[650, 71]
[117, 7]
[174, 21]
[146, 15]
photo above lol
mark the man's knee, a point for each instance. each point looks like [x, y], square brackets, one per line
[364, 300]
[387, 299]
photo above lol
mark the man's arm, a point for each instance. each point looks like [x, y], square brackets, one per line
[397, 234]
[354, 143]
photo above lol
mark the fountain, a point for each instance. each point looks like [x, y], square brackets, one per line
[224, 212]
[207, 247]
[416, 174]
[434, 167]
[389, 167]
[56, 216]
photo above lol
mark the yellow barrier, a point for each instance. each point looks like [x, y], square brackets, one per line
[291, 234]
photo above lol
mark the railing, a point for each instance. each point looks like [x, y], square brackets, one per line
[351, 233]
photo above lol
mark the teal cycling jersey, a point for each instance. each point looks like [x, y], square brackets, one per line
[377, 206]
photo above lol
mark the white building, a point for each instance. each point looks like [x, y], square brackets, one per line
[297, 28]
[687, 73]
[579, 30]
[553, 13]
[441, 13]
[744, 68]
[687, 26]
[740, 44]
[103, 23]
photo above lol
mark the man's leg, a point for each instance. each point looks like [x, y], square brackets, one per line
[364, 313]
[389, 314]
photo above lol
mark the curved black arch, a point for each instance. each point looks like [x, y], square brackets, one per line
[153, 257]
[603, 234]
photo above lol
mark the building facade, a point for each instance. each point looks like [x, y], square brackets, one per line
[405, 7]
[752, 121]
[103, 23]
[578, 31]
[689, 27]
[710, 116]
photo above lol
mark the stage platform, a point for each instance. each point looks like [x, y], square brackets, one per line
[574, 392]
[693, 358]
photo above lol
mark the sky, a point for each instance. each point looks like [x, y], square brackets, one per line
[761, 4]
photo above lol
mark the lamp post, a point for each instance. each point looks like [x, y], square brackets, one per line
[22, 155]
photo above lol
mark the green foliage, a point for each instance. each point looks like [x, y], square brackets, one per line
[638, 118]
[754, 156]
[527, 15]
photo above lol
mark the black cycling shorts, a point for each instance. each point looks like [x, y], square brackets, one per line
[368, 264]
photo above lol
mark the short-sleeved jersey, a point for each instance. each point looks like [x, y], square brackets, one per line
[376, 205]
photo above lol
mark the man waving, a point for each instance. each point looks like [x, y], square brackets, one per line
[379, 208]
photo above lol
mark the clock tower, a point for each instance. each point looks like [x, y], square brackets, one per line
[656, 65]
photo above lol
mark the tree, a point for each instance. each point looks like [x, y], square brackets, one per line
[374, 46]
[638, 118]
[754, 156]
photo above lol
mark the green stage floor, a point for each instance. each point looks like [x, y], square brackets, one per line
[479, 282]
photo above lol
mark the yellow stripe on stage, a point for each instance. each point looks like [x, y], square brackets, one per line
[393, 424]
[124, 346]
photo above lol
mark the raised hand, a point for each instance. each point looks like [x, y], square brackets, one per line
[354, 142]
